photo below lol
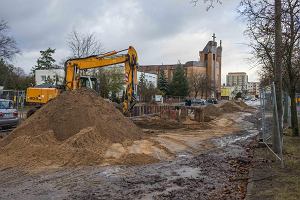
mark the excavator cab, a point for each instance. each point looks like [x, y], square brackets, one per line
[89, 82]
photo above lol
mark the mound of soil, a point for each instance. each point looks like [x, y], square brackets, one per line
[212, 110]
[242, 104]
[155, 122]
[74, 129]
[230, 106]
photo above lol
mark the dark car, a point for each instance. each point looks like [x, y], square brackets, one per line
[188, 102]
[212, 101]
[8, 115]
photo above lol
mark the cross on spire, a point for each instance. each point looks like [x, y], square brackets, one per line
[214, 37]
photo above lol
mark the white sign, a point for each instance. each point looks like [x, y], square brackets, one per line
[158, 98]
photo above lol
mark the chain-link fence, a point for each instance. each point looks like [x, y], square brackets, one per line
[173, 99]
[270, 130]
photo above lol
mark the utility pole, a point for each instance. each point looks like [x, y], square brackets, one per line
[214, 65]
[278, 75]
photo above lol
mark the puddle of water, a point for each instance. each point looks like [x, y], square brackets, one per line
[225, 141]
[111, 172]
[188, 172]
[184, 155]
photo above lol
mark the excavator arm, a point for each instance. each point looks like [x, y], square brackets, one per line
[73, 67]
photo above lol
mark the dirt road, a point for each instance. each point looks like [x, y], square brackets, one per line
[219, 172]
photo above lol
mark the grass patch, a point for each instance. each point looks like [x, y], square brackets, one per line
[284, 183]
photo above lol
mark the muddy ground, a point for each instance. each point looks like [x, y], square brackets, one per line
[215, 171]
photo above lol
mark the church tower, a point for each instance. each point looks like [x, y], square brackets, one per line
[211, 56]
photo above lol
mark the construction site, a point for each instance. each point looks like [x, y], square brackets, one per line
[101, 154]
[149, 100]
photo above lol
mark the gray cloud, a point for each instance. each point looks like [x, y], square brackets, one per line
[162, 31]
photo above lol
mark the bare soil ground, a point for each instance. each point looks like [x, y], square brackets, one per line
[191, 161]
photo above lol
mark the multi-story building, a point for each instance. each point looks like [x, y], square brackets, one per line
[253, 88]
[209, 64]
[237, 79]
[54, 76]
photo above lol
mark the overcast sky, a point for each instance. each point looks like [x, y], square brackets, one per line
[162, 31]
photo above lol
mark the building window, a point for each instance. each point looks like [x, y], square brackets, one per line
[205, 57]
[43, 78]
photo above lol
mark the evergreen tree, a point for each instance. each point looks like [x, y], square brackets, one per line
[45, 61]
[162, 82]
[179, 85]
[142, 86]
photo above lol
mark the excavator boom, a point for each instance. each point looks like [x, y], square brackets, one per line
[73, 67]
[73, 76]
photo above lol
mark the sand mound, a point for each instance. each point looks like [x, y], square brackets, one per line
[242, 104]
[230, 106]
[155, 122]
[74, 129]
[212, 110]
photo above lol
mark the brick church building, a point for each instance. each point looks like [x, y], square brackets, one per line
[209, 64]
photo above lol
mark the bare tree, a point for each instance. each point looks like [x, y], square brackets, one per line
[111, 80]
[210, 3]
[83, 45]
[276, 62]
[278, 72]
[8, 46]
[291, 54]
[197, 83]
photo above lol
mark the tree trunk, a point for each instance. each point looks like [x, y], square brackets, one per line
[196, 94]
[278, 74]
[294, 117]
[286, 107]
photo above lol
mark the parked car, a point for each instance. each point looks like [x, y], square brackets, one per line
[8, 115]
[198, 102]
[212, 101]
[247, 98]
[188, 102]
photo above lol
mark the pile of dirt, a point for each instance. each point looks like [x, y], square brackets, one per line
[211, 112]
[229, 107]
[242, 104]
[74, 129]
[156, 122]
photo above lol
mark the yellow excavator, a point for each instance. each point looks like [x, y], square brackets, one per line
[73, 78]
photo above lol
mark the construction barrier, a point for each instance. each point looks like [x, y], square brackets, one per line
[164, 111]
